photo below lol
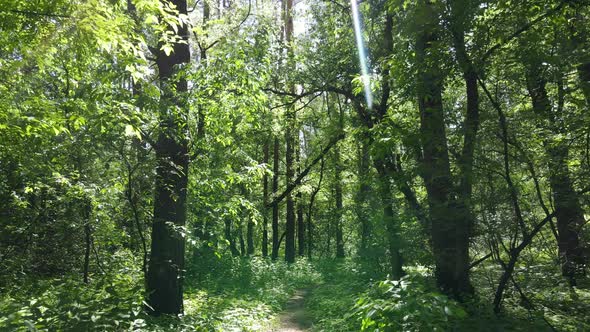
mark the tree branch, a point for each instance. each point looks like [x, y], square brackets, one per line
[523, 29]
[302, 175]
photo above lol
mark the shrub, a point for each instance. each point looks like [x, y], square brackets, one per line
[406, 305]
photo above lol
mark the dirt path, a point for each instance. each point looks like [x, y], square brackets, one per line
[294, 318]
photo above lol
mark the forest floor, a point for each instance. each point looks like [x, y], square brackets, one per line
[254, 294]
[295, 318]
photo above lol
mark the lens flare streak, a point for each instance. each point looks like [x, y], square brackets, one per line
[362, 54]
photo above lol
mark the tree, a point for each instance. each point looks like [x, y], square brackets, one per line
[449, 227]
[166, 264]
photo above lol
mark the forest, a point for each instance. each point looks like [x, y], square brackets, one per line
[294, 165]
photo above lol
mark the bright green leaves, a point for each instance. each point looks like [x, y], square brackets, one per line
[131, 131]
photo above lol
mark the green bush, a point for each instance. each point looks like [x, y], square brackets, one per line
[70, 305]
[406, 305]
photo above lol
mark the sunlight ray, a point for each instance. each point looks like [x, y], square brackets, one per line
[362, 54]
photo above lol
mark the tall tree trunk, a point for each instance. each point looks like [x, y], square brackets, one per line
[290, 223]
[290, 132]
[568, 211]
[389, 220]
[300, 220]
[339, 205]
[338, 184]
[242, 242]
[87, 208]
[275, 205]
[230, 238]
[266, 149]
[310, 212]
[450, 234]
[248, 248]
[471, 121]
[165, 279]
[364, 188]
[250, 237]
[584, 76]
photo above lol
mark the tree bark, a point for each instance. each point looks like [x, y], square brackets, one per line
[568, 211]
[449, 232]
[230, 238]
[242, 242]
[275, 205]
[165, 272]
[339, 206]
[584, 76]
[291, 186]
[300, 219]
[389, 220]
[471, 121]
[87, 238]
[250, 238]
[266, 149]
[310, 212]
[362, 209]
[290, 132]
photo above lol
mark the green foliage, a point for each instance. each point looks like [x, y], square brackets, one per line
[406, 305]
[112, 303]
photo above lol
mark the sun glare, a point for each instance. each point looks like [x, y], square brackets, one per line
[362, 54]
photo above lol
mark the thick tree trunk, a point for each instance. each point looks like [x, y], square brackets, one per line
[275, 205]
[568, 211]
[290, 140]
[165, 279]
[449, 231]
[264, 201]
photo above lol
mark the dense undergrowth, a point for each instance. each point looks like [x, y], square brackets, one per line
[221, 294]
[247, 294]
[353, 300]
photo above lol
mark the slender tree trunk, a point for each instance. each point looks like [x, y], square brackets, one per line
[242, 242]
[339, 205]
[230, 238]
[310, 212]
[250, 238]
[584, 76]
[471, 122]
[264, 201]
[87, 238]
[300, 220]
[300, 227]
[338, 184]
[362, 197]
[389, 220]
[450, 234]
[275, 206]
